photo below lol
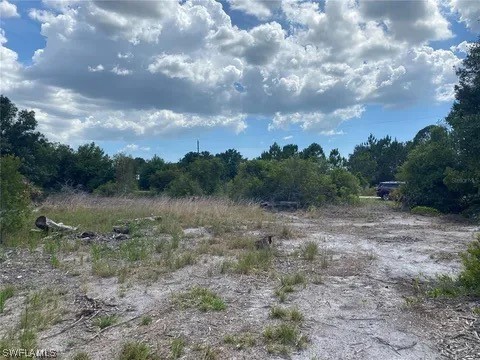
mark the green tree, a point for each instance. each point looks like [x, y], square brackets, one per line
[335, 159]
[208, 172]
[273, 153]
[14, 198]
[147, 170]
[231, 160]
[184, 185]
[464, 119]
[313, 151]
[424, 172]
[20, 138]
[92, 167]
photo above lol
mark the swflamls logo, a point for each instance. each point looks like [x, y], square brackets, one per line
[30, 353]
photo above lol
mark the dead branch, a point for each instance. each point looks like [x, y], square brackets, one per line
[47, 224]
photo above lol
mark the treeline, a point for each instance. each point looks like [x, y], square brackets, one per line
[441, 164]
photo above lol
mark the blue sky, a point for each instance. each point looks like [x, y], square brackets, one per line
[153, 77]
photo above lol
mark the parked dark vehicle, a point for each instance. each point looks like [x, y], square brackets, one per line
[385, 188]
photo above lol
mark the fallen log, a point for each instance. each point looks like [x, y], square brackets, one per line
[47, 224]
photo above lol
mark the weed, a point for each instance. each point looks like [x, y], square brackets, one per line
[446, 286]
[201, 298]
[310, 250]
[134, 250]
[5, 294]
[146, 320]
[104, 268]
[176, 348]
[105, 321]
[277, 312]
[325, 258]
[286, 232]
[180, 261]
[425, 210]
[254, 261]
[240, 341]
[81, 356]
[246, 243]
[284, 334]
[136, 351]
[288, 281]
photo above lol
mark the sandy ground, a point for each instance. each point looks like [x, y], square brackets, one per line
[372, 260]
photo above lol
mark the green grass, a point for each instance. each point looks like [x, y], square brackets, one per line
[293, 279]
[201, 298]
[278, 312]
[281, 338]
[5, 293]
[146, 320]
[81, 356]
[240, 341]
[105, 321]
[425, 210]
[136, 351]
[254, 261]
[310, 250]
[177, 348]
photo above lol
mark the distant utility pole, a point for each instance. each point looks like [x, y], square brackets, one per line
[198, 147]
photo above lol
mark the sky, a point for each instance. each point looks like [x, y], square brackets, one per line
[152, 77]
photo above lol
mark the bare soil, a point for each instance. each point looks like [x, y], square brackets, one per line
[361, 299]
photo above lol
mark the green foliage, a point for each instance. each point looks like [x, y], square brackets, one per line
[240, 341]
[14, 197]
[201, 298]
[5, 294]
[377, 160]
[424, 173]
[136, 351]
[310, 250]
[425, 210]
[470, 275]
[110, 188]
[254, 261]
[184, 185]
[176, 348]
[105, 321]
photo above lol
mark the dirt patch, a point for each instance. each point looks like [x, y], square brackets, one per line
[354, 294]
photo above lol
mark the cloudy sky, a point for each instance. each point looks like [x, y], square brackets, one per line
[151, 77]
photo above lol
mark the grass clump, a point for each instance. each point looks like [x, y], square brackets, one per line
[254, 261]
[146, 320]
[240, 341]
[176, 348]
[136, 351]
[180, 261]
[310, 250]
[294, 314]
[425, 210]
[81, 356]
[292, 280]
[105, 321]
[282, 338]
[201, 298]
[5, 294]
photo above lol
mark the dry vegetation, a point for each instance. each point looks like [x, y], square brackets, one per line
[188, 282]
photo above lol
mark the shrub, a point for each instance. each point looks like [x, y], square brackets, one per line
[14, 197]
[470, 276]
[136, 351]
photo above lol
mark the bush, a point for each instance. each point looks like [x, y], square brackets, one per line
[470, 276]
[14, 196]
[425, 210]
[108, 189]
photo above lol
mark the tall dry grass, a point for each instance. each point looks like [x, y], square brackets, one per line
[101, 213]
